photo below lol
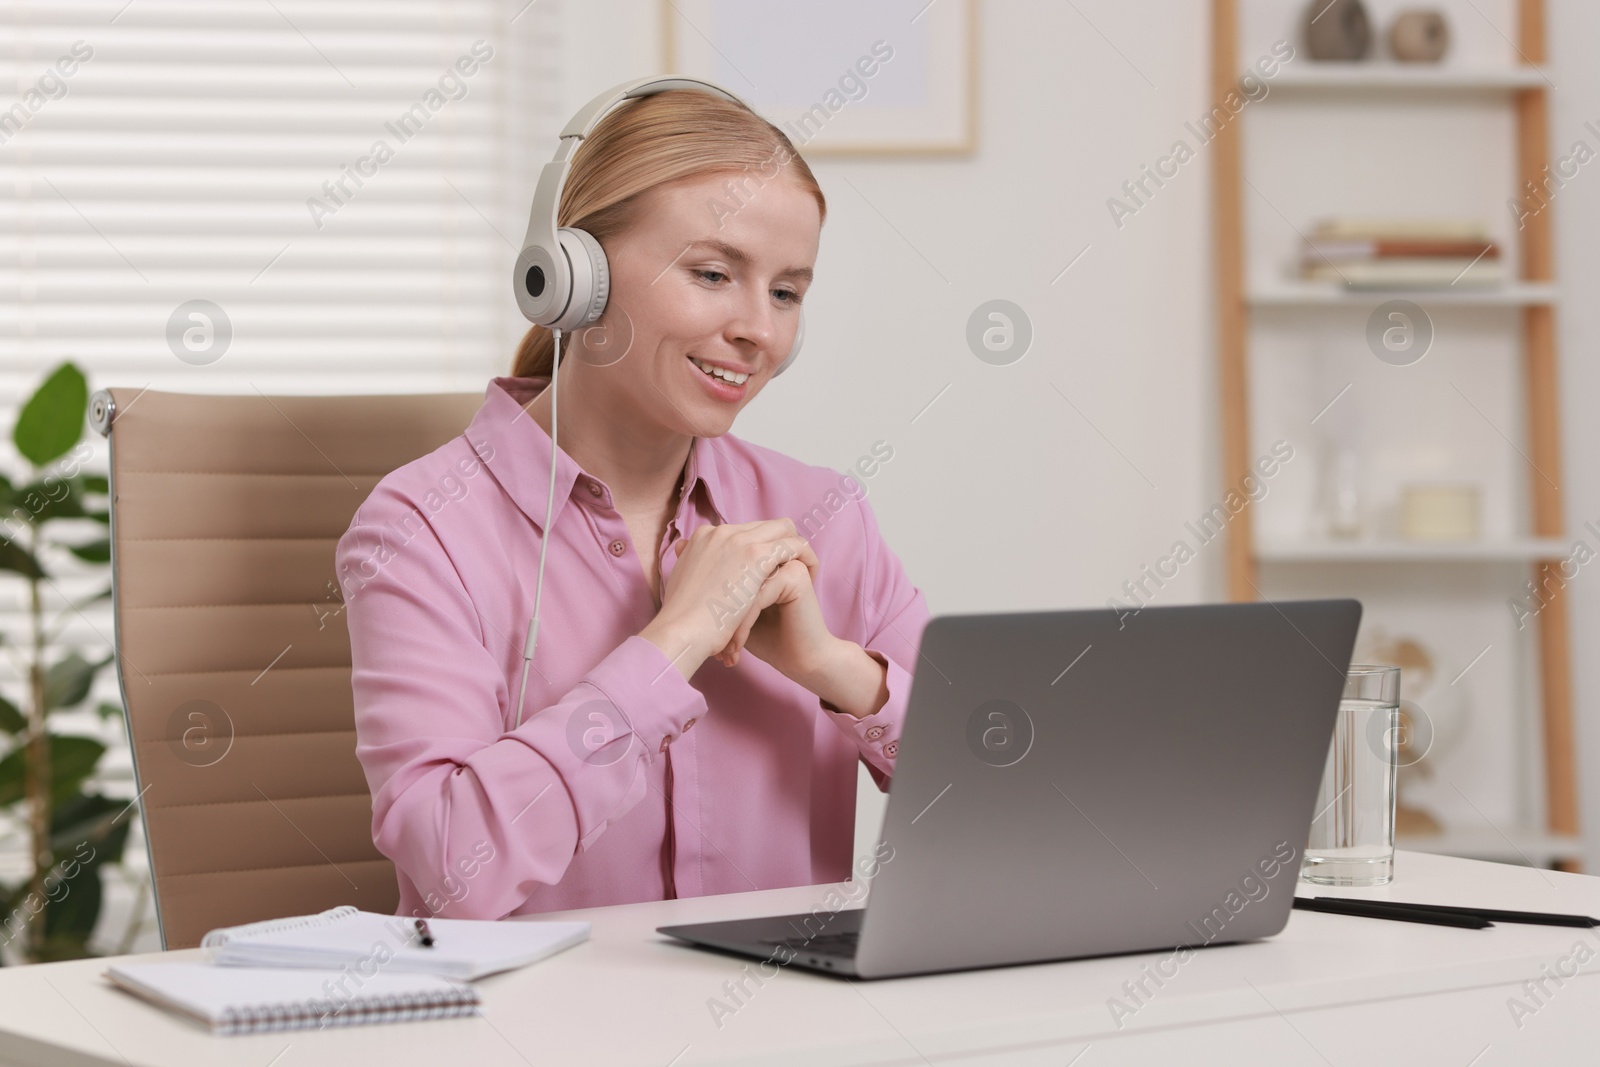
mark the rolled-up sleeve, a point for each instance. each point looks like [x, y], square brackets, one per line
[887, 622]
[450, 784]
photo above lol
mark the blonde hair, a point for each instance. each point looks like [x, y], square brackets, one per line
[651, 141]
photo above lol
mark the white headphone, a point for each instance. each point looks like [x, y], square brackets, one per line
[561, 279]
[561, 282]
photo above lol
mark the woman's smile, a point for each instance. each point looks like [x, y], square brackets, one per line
[718, 381]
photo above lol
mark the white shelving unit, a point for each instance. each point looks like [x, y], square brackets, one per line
[1476, 98]
[1393, 77]
[1522, 550]
[1313, 294]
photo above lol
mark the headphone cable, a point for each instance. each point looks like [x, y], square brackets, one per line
[544, 536]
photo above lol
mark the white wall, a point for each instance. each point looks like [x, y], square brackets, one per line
[1002, 495]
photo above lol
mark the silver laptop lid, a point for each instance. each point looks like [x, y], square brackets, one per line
[1086, 782]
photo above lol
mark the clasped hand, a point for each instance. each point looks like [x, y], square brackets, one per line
[739, 586]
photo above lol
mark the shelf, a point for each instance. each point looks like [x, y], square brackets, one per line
[1396, 76]
[1517, 845]
[1251, 297]
[1517, 550]
[1331, 294]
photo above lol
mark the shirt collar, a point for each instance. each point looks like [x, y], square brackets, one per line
[706, 469]
[516, 450]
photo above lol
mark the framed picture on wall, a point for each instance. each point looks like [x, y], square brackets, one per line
[840, 77]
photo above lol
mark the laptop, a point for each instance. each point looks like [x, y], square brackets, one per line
[1085, 783]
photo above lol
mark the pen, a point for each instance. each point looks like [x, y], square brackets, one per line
[427, 937]
[1539, 918]
[1385, 910]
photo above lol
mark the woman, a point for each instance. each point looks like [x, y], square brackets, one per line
[635, 770]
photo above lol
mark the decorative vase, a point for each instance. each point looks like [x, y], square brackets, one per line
[1338, 30]
[1420, 36]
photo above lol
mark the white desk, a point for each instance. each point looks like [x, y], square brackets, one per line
[1329, 989]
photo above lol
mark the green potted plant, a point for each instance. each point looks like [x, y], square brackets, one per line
[73, 832]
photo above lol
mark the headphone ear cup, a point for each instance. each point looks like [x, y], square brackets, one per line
[794, 349]
[591, 278]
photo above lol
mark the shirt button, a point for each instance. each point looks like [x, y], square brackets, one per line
[874, 732]
[617, 547]
[891, 748]
[594, 488]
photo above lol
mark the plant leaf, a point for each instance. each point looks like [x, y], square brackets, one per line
[87, 831]
[91, 829]
[92, 551]
[52, 420]
[69, 920]
[67, 681]
[11, 787]
[52, 498]
[15, 558]
[97, 483]
[72, 759]
[12, 721]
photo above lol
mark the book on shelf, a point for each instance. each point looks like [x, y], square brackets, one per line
[1365, 253]
[1320, 248]
[1355, 227]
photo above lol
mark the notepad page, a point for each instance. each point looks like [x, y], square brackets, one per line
[463, 948]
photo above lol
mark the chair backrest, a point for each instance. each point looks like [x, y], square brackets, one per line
[232, 651]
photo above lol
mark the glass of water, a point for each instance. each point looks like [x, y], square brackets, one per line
[1352, 833]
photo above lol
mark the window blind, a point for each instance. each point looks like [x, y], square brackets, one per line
[290, 195]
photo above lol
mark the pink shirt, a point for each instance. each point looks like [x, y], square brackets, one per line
[624, 782]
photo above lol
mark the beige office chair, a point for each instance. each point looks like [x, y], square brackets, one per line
[232, 650]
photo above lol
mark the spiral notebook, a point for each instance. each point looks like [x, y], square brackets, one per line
[344, 937]
[240, 1000]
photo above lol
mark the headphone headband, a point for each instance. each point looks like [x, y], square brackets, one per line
[542, 219]
[561, 279]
